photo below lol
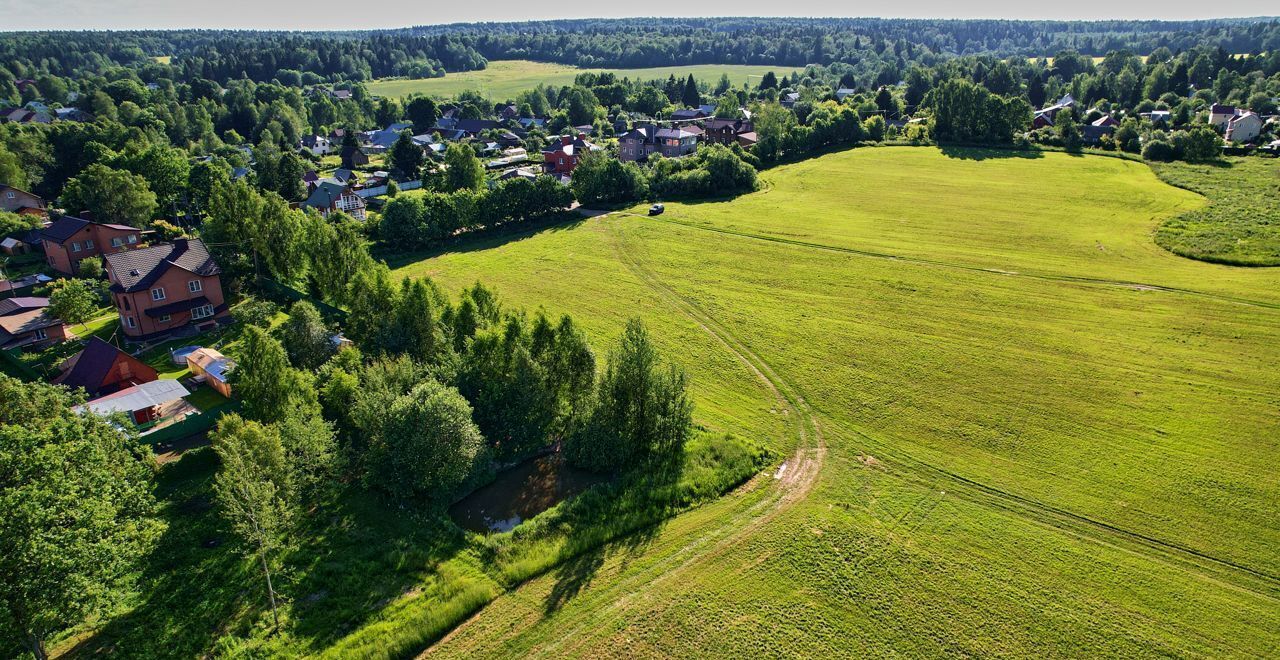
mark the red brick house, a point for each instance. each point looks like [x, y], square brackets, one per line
[102, 369]
[68, 240]
[725, 131]
[162, 288]
[561, 157]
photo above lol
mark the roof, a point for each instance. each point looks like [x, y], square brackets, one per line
[90, 366]
[26, 321]
[676, 133]
[475, 125]
[571, 147]
[138, 397]
[326, 194]
[135, 270]
[215, 364]
[65, 227]
[175, 307]
[22, 303]
[37, 198]
[1220, 109]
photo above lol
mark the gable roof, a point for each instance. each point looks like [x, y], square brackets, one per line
[135, 270]
[475, 125]
[215, 364]
[30, 320]
[65, 227]
[90, 366]
[326, 194]
[21, 304]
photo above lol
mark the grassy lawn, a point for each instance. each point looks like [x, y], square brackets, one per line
[205, 398]
[1044, 434]
[1241, 224]
[504, 79]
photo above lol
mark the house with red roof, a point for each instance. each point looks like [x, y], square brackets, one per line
[561, 157]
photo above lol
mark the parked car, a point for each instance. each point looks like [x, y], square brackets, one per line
[657, 209]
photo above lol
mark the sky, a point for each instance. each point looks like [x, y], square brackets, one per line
[344, 14]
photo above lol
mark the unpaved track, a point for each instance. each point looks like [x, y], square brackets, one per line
[794, 483]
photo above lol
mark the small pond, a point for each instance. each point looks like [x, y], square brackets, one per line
[520, 493]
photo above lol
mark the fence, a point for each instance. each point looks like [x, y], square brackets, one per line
[192, 425]
[382, 190]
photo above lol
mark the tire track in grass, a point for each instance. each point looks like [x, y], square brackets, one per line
[1251, 579]
[1050, 277]
[791, 484]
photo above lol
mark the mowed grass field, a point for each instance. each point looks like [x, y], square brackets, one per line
[1014, 425]
[503, 79]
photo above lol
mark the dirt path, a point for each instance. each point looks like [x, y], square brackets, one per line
[791, 484]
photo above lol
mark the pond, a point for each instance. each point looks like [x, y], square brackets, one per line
[520, 493]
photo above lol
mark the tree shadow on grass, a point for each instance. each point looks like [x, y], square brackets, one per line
[486, 239]
[980, 153]
[638, 508]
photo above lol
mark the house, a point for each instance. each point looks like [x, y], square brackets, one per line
[1063, 103]
[1041, 119]
[1093, 133]
[1157, 116]
[330, 196]
[143, 404]
[1244, 127]
[473, 127]
[15, 200]
[164, 288]
[1221, 115]
[72, 114]
[354, 156]
[316, 145]
[238, 173]
[530, 123]
[561, 157]
[69, 240]
[646, 139]
[385, 138]
[102, 368]
[340, 94]
[211, 368]
[725, 131]
[747, 139]
[789, 99]
[689, 114]
[310, 179]
[1106, 120]
[23, 285]
[26, 322]
[844, 93]
[344, 176]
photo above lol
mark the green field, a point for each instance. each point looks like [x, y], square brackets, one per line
[1014, 425]
[503, 79]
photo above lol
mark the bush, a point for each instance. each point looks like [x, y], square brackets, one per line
[90, 268]
[256, 312]
[1158, 150]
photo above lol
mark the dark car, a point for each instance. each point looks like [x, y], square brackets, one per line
[657, 209]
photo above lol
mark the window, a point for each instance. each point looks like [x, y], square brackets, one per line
[133, 238]
[88, 245]
[195, 286]
[157, 293]
[10, 194]
[124, 304]
[75, 246]
[128, 321]
[117, 242]
[204, 311]
[40, 335]
[164, 319]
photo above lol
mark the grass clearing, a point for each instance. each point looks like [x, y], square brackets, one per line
[503, 79]
[1241, 224]
[1045, 434]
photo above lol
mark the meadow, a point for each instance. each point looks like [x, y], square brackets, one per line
[503, 79]
[1013, 424]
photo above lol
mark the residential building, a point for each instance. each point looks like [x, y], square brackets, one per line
[164, 288]
[689, 114]
[1220, 115]
[725, 131]
[102, 368]
[844, 93]
[354, 156]
[68, 241]
[15, 200]
[26, 322]
[1106, 120]
[1244, 127]
[330, 196]
[646, 139]
[316, 145]
[561, 157]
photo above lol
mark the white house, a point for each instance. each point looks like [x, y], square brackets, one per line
[1221, 115]
[316, 144]
[1244, 127]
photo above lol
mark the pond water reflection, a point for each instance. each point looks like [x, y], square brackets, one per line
[520, 493]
